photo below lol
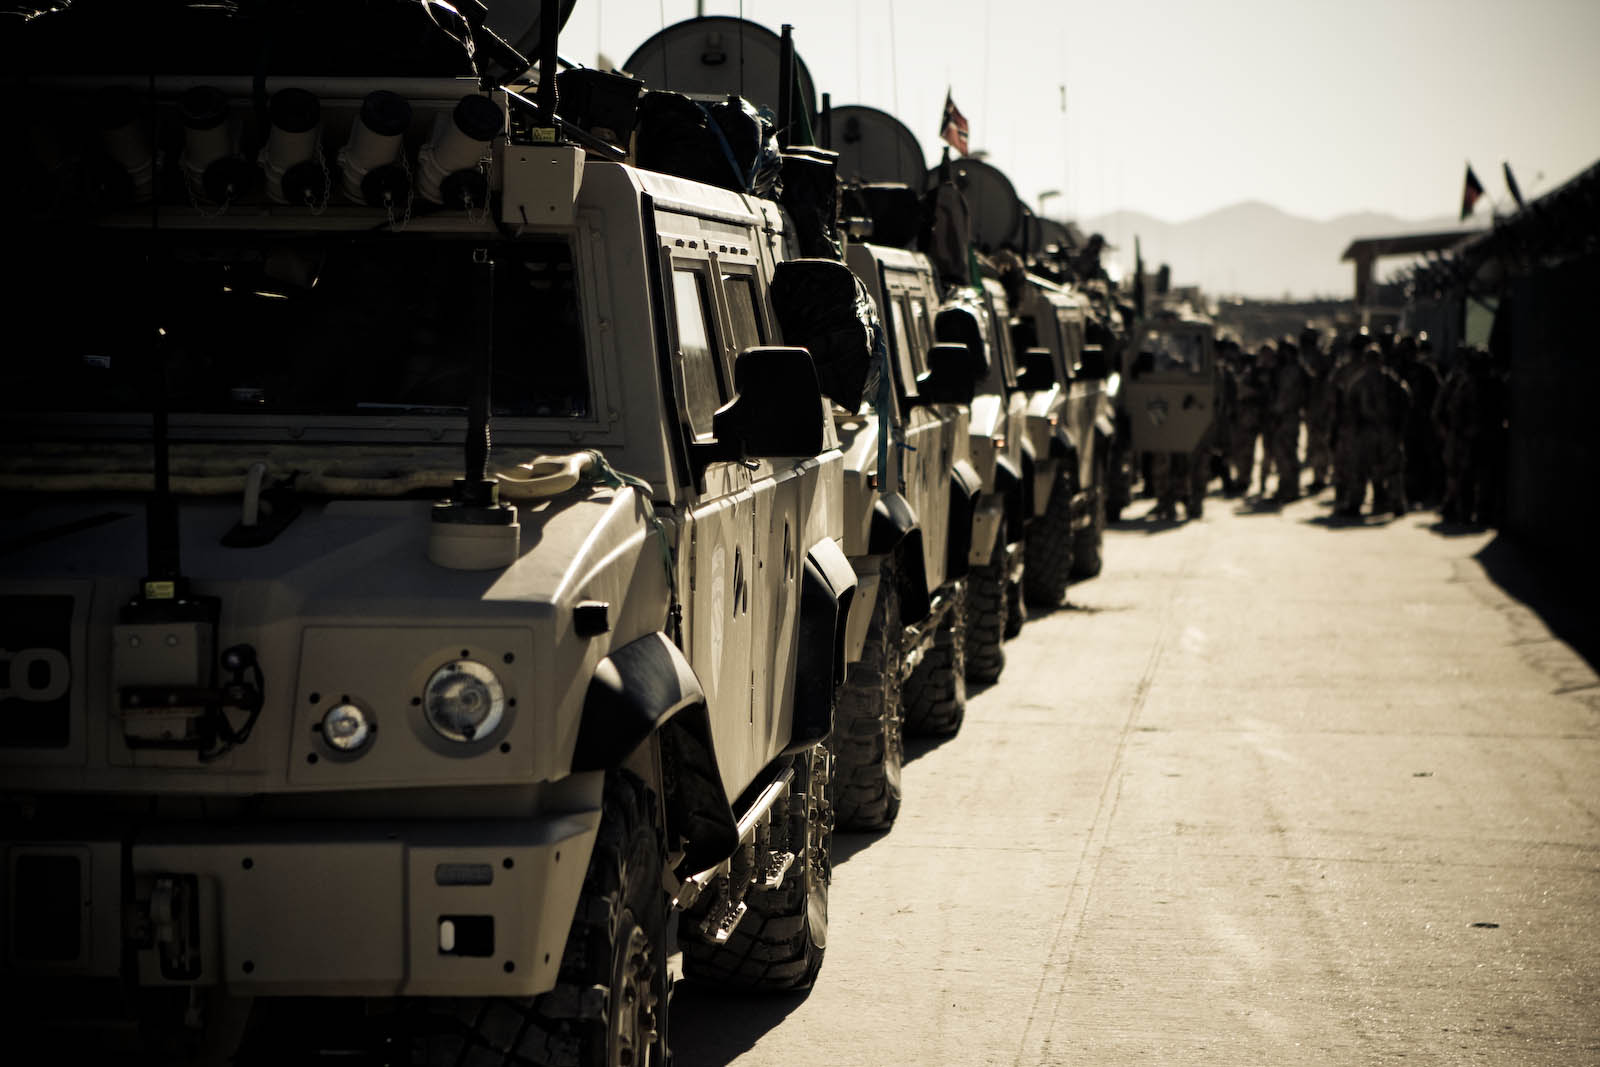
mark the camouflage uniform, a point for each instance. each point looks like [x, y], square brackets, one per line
[1247, 413]
[1455, 415]
[1319, 410]
[1285, 401]
[1371, 438]
[1424, 477]
[1185, 473]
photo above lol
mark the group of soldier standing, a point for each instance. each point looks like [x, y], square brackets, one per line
[1378, 410]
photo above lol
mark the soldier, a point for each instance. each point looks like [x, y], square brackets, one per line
[1422, 443]
[1247, 412]
[1371, 436]
[1286, 399]
[1455, 414]
[1181, 476]
[1319, 408]
[1346, 365]
[1226, 407]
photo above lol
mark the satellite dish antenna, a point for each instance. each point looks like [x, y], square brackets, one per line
[874, 146]
[997, 211]
[717, 55]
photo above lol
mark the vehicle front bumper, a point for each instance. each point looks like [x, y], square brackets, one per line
[445, 908]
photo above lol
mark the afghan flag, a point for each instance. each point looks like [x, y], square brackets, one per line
[953, 126]
[1470, 191]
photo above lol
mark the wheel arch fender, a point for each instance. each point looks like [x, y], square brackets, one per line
[1013, 489]
[965, 487]
[827, 592]
[647, 688]
[1029, 466]
[897, 532]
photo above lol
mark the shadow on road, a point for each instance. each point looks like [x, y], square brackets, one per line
[712, 1027]
[1335, 521]
[1145, 524]
[1546, 589]
[846, 845]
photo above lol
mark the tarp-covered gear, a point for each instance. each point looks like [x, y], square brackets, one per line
[727, 144]
[822, 307]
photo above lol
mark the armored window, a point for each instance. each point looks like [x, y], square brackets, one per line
[1072, 338]
[740, 290]
[256, 323]
[919, 321]
[696, 355]
[903, 343]
[1001, 336]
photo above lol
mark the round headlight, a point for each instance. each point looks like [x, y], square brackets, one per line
[464, 701]
[346, 728]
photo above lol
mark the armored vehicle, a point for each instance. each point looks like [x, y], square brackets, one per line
[910, 495]
[875, 147]
[910, 491]
[1170, 383]
[329, 726]
[1070, 430]
[1068, 381]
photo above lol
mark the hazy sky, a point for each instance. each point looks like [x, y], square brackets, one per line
[1320, 107]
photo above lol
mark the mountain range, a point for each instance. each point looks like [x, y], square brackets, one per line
[1253, 249]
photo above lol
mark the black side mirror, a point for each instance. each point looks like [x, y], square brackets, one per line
[1096, 364]
[778, 410]
[1038, 371]
[952, 372]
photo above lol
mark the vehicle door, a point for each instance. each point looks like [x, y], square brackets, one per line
[720, 519]
[924, 463]
[779, 489]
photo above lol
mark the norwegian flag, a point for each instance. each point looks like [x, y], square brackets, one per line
[953, 126]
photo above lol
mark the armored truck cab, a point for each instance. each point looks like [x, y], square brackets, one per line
[910, 491]
[979, 317]
[1070, 429]
[296, 710]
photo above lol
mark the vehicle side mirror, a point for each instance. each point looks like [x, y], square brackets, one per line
[1096, 364]
[953, 371]
[778, 409]
[1038, 371]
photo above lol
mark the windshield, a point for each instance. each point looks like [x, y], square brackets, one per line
[1164, 352]
[260, 323]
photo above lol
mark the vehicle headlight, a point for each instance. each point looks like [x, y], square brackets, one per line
[347, 728]
[464, 701]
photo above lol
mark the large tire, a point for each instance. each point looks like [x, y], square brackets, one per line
[616, 958]
[867, 743]
[936, 692]
[779, 944]
[1086, 544]
[986, 615]
[1049, 549]
[1016, 609]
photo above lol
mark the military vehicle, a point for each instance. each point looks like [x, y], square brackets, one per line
[909, 487]
[910, 499]
[877, 151]
[1169, 382]
[331, 727]
[1071, 424]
